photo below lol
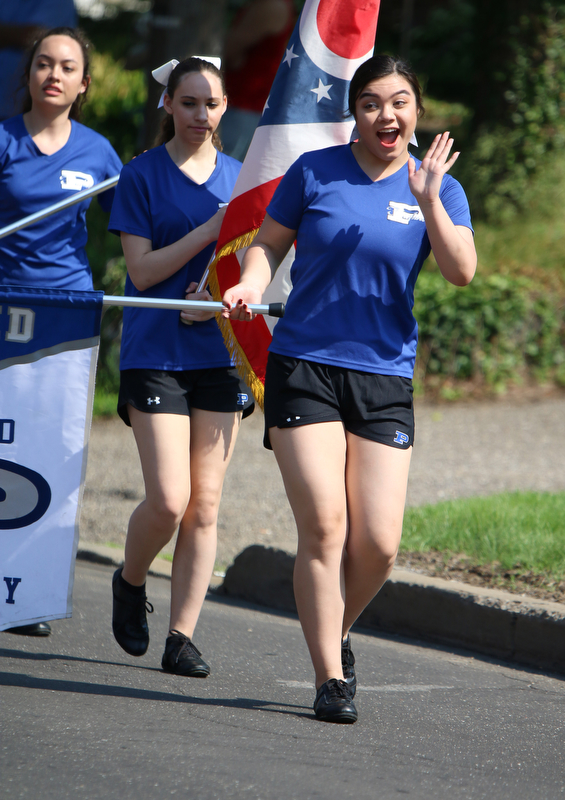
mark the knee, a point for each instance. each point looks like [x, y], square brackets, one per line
[323, 535]
[385, 557]
[168, 509]
[202, 510]
[379, 553]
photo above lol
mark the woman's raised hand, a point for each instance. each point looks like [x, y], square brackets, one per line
[425, 182]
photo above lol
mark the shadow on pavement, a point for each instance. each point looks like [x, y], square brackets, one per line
[78, 687]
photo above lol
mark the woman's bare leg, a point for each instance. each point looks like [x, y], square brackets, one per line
[376, 480]
[213, 437]
[312, 463]
[163, 442]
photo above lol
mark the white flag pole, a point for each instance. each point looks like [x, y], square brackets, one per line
[270, 309]
[78, 197]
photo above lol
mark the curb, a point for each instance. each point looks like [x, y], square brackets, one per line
[512, 627]
[508, 626]
[114, 557]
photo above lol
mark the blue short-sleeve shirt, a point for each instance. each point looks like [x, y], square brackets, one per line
[360, 246]
[51, 252]
[157, 201]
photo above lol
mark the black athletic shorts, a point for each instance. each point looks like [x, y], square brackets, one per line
[376, 407]
[158, 391]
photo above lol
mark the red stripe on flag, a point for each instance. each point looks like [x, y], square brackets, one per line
[245, 213]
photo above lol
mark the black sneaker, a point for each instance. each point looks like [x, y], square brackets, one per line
[348, 665]
[33, 629]
[182, 657]
[334, 703]
[129, 618]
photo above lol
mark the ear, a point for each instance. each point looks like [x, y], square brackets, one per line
[167, 104]
[225, 105]
[85, 84]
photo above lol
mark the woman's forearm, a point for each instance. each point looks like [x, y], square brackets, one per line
[147, 267]
[452, 245]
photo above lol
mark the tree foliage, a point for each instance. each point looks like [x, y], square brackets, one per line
[519, 107]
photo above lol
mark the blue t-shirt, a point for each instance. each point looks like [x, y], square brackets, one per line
[51, 252]
[359, 248]
[157, 201]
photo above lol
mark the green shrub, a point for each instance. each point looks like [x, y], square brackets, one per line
[114, 109]
[498, 330]
[116, 100]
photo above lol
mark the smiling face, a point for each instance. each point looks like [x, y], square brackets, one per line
[197, 106]
[386, 113]
[56, 76]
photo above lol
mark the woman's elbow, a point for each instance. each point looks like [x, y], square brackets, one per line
[139, 280]
[464, 275]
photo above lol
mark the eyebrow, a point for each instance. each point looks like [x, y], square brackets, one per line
[373, 94]
[191, 97]
[50, 58]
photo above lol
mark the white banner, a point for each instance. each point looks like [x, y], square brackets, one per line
[48, 351]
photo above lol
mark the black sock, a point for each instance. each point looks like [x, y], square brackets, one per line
[129, 587]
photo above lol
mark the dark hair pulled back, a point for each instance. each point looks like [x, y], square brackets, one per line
[184, 68]
[380, 67]
[78, 36]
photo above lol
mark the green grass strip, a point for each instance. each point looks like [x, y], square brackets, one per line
[517, 529]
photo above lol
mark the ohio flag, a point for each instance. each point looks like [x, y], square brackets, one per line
[306, 110]
[48, 351]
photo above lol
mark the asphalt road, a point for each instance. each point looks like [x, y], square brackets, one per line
[81, 719]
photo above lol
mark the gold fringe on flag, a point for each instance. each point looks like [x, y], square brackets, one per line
[234, 348]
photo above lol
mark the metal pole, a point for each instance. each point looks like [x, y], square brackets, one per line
[271, 309]
[84, 194]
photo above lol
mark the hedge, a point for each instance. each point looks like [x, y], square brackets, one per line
[498, 330]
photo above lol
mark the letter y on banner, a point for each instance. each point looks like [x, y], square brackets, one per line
[48, 351]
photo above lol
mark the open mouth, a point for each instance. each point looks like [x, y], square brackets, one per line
[389, 136]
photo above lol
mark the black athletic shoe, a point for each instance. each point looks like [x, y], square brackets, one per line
[182, 657]
[33, 629]
[129, 618]
[334, 703]
[348, 665]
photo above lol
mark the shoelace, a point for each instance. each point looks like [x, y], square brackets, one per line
[144, 606]
[337, 690]
[188, 645]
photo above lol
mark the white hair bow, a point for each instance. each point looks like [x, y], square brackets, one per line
[163, 73]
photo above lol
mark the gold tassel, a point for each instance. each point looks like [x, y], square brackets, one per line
[234, 348]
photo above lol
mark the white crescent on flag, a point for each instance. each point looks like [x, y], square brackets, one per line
[326, 44]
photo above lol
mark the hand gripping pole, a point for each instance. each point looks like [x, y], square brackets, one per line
[270, 309]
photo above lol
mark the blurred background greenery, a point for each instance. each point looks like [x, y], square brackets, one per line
[494, 75]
